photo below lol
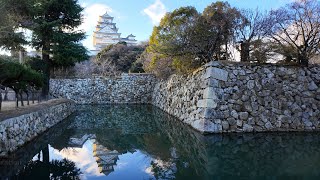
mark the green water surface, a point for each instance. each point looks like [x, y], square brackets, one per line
[143, 142]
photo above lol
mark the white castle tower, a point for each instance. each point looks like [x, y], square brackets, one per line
[106, 33]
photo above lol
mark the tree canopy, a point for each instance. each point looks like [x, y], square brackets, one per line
[10, 20]
[18, 77]
[186, 39]
[191, 39]
[120, 58]
[296, 29]
[53, 24]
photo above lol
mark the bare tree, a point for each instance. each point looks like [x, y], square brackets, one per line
[249, 34]
[297, 27]
[105, 68]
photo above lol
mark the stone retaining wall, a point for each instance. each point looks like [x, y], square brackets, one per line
[179, 96]
[234, 97]
[129, 88]
[16, 131]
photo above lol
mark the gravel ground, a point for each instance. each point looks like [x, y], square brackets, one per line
[9, 110]
[11, 105]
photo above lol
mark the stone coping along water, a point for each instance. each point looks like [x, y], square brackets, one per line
[19, 127]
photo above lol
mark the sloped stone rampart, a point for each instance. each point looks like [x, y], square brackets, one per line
[236, 97]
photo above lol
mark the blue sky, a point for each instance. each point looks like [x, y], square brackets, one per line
[139, 16]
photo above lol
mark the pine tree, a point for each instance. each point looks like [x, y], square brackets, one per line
[54, 32]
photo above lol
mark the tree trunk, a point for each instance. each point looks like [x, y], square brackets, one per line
[45, 154]
[27, 98]
[5, 94]
[21, 99]
[303, 60]
[0, 99]
[46, 161]
[46, 60]
[244, 52]
[32, 96]
[20, 56]
[17, 100]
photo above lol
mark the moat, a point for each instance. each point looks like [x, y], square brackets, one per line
[143, 142]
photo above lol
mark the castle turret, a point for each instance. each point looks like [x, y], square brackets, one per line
[106, 33]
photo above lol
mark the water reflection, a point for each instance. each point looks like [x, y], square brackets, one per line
[142, 142]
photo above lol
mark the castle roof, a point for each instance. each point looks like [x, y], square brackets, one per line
[131, 35]
[107, 16]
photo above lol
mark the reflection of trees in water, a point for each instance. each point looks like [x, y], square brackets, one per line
[56, 169]
[57, 136]
[163, 170]
[188, 144]
[277, 154]
[125, 128]
[179, 152]
[45, 169]
[133, 119]
[119, 127]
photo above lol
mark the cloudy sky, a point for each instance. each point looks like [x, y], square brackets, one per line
[139, 16]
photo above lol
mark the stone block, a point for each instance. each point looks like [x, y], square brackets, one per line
[213, 63]
[213, 83]
[268, 126]
[216, 73]
[2, 128]
[244, 115]
[232, 121]
[225, 125]
[207, 103]
[312, 86]
[250, 84]
[251, 121]
[234, 114]
[206, 126]
[239, 123]
[209, 93]
[247, 128]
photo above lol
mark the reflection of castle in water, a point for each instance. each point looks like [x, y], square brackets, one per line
[106, 159]
[78, 142]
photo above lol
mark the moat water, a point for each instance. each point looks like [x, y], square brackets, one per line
[143, 142]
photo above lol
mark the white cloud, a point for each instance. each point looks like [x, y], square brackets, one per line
[91, 15]
[4, 52]
[83, 158]
[155, 11]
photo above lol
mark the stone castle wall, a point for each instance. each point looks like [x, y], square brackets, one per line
[179, 96]
[18, 130]
[219, 97]
[129, 88]
[235, 97]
